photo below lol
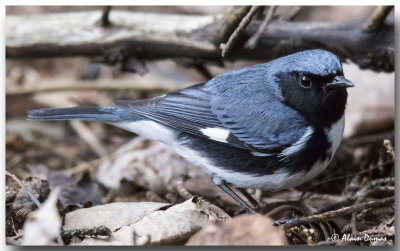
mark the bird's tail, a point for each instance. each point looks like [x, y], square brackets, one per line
[110, 114]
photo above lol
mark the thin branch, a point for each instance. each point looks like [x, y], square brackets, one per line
[228, 23]
[363, 193]
[302, 197]
[354, 214]
[29, 192]
[226, 48]
[104, 20]
[381, 181]
[252, 42]
[340, 212]
[367, 139]
[187, 36]
[377, 18]
[25, 188]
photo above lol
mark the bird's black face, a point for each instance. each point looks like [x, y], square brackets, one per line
[321, 98]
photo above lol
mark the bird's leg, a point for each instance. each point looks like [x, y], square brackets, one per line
[249, 197]
[283, 221]
[221, 184]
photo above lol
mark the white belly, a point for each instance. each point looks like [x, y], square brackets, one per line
[276, 181]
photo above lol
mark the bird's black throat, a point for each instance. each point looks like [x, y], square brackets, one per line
[319, 106]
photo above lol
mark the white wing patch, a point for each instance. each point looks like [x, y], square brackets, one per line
[215, 133]
[258, 154]
[296, 146]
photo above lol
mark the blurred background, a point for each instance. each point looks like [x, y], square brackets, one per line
[90, 160]
[60, 71]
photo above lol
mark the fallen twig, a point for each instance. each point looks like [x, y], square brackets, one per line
[381, 181]
[372, 138]
[362, 194]
[379, 165]
[339, 212]
[354, 214]
[376, 213]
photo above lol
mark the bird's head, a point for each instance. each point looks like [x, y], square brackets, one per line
[312, 82]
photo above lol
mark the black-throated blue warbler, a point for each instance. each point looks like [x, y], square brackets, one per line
[268, 126]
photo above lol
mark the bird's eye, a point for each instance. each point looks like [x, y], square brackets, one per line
[305, 81]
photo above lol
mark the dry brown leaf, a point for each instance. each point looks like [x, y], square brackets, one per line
[241, 230]
[114, 215]
[172, 226]
[156, 167]
[43, 225]
[149, 164]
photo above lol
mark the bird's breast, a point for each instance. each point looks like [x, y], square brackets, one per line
[334, 134]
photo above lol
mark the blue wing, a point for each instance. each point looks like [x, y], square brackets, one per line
[193, 109]
[261, 119]
[264, 128]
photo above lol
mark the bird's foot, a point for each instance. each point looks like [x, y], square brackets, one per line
[243, 210]
[283, 221]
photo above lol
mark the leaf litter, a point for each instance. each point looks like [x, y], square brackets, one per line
[140, 193]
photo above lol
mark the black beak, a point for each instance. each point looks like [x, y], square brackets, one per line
[339, 82]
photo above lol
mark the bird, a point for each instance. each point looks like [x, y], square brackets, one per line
[268, 126]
